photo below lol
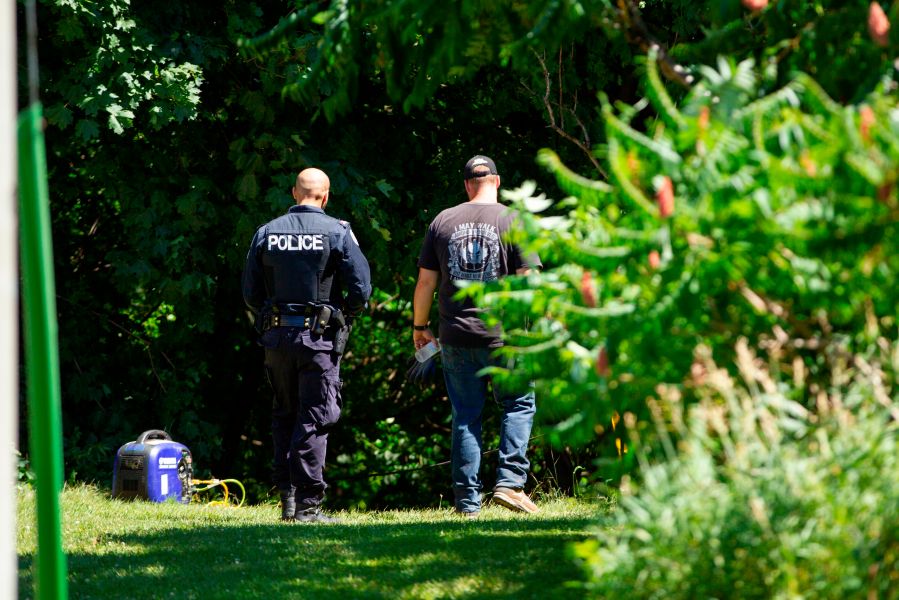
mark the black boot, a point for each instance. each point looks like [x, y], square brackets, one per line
[288, 506]
[314, 514]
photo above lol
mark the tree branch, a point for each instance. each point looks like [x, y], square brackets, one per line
[583, 144]
[637, 33]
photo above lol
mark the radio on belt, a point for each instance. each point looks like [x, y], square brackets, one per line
[153, 467]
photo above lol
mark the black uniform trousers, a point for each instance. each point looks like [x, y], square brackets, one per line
[304, 373]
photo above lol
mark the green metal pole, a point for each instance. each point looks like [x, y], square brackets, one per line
[41, 353]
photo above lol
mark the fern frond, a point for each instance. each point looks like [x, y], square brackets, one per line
[758, 136]
[659, 95]
[814, 91]
[788, 95]
[667, 302]
[608, 310]
[851, 128]
[588, 190]
[726, 143]
[618, 166]
[810, 124]
[632, 234]
[606, 252]
[865, 167]
[614, 126]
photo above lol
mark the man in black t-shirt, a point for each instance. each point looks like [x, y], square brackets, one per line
[465, 243]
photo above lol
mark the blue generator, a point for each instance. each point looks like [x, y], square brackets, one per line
[154, 468]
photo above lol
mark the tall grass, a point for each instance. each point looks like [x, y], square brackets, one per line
[764, 498]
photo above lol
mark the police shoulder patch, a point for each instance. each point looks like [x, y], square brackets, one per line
[350, 229]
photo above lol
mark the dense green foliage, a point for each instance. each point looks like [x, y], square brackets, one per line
[784, 228]
[763, 498]
[167, 147]
[175, 129]
[749, 203]
[754, 208]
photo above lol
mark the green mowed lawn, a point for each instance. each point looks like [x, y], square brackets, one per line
[147, 550]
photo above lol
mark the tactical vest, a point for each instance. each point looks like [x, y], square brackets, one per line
[297, 258]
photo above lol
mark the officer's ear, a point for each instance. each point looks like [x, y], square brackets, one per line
[325, 199]
[293, 194]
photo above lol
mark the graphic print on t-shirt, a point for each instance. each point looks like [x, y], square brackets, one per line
[474, 252]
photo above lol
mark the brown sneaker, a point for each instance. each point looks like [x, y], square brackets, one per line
[515, 500]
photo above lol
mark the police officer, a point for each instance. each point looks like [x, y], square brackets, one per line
[305, 278]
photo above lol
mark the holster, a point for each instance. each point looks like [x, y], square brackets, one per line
[342, 337]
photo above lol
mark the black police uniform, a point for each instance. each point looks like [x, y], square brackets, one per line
[305, 275]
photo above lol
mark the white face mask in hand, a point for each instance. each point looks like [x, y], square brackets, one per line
[423, 369]
[427, 351]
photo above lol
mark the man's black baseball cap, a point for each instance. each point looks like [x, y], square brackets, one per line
[478, 161]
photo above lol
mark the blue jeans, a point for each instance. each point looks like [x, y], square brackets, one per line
[467, 394]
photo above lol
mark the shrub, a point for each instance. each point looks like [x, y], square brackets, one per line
[763, 498]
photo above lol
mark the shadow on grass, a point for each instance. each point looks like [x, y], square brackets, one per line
[520, 558]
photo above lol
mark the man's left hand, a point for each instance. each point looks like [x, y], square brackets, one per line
[421, 338]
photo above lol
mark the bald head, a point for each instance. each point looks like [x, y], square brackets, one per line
[312, 187]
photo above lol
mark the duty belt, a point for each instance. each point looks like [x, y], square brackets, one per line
[316, 318]
[278, 320]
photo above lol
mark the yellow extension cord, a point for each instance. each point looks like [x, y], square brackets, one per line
[213, 483]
